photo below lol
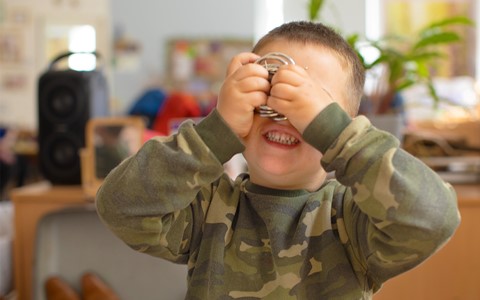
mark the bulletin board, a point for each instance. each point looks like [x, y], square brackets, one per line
[17, 85]
[202, 62]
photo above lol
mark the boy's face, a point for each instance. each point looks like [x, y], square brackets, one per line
[276, 154]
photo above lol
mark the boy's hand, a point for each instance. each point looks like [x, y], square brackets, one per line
[245, 87]
[297, 95]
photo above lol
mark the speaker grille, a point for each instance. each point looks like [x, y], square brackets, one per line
[63, 101]
[66, 101]
[60, 160]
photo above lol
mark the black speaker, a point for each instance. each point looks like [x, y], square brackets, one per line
[67, 99]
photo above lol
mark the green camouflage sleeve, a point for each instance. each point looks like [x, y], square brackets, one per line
[397, 211]
[155, 200]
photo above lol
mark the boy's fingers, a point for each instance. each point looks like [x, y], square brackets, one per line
[291, 74]
[251, 84]
[240, 60]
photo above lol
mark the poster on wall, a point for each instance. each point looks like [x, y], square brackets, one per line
[11, 46]
[407, 17]
[13, 81]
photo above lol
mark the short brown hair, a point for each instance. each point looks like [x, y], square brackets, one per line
[317, 33]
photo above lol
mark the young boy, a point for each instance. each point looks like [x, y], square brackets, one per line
[283, 231]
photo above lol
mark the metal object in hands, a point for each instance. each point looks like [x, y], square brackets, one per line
[272, 61]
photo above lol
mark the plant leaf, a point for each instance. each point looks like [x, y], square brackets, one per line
[352, 39]
[437, 39]
[422, 70]
[456, 20]
[433, 93]
[425, 56]
[379, 60]
[314, 8]
[396, 72]
[405, 84]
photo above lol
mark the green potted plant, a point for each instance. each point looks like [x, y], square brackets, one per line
[401, 63]
[406, 61]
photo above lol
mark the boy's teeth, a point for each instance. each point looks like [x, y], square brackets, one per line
[281, 138]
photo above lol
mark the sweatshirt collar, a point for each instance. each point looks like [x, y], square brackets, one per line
[258, 189]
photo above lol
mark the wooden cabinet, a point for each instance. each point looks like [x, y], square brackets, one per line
[31, 203]
[454, 271]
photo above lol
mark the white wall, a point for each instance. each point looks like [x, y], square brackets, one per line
[153, 22]
[346, 15]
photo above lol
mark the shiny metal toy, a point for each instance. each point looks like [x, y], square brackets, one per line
[272, 61]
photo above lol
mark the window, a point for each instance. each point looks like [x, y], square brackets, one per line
[72, 38]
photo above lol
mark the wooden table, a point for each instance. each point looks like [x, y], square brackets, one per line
[454, 271]
[31, 203]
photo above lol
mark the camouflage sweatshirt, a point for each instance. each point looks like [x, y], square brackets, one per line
[384, 213]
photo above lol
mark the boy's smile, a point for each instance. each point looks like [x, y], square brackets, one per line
[277, 155]
[280, 138]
